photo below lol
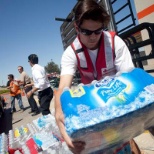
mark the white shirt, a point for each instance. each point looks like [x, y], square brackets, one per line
[123, 61]
[39, 77]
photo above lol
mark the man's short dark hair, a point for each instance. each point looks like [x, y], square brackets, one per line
[21, 67]
[33, 58]
[90, 9]
[11, 76]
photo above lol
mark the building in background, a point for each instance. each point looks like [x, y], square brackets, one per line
[145, 13]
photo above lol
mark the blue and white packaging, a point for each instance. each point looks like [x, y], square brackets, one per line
[111, 111]
[44, 121]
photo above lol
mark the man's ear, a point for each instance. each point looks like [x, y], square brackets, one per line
[76, 27]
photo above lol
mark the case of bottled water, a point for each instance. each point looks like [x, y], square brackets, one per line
[111, 111]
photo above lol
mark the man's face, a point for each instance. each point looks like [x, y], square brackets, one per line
[9, 78]
[90, 33]
[30, 63]
[20, 69]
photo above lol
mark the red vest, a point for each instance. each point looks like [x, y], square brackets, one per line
[104, 61]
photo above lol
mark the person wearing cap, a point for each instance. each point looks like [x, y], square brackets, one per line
[95, 53]
[41, 84]
[15, 93]
[24, 80]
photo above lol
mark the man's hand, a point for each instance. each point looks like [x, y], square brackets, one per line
[27, 85]
[29, 94]
[78, 147]
[9, 87]
[75, 146]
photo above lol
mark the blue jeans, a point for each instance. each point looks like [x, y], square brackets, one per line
[19, 98]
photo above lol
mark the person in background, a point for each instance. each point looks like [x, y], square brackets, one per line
[95, 53]
[8, 83]
[41, 84]
[24, 80]
[14, 93]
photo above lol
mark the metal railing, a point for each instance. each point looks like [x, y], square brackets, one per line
[135, 42]
[123, 15]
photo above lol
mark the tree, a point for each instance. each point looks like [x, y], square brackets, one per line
[51, 67]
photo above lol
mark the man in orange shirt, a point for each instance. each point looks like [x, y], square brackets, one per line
[14, 93]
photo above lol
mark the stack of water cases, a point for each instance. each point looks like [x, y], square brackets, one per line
[42, 136]
[3, 144]
[108, 113]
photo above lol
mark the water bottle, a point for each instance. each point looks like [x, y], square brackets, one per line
[4, 144]
[31, 129]
[25, 150]
[11, 139]
[65, 149]
[17, 152]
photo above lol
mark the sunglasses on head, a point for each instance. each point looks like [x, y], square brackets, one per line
[89, 32]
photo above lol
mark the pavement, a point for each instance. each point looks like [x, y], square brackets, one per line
[145, 141]
[23, 117]
[18, 118]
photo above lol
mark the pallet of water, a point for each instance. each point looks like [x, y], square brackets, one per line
[108, 113]
[39, 137]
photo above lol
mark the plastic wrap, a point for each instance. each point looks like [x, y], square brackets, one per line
[107, 113]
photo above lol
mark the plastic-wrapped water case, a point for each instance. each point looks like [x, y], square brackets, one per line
[111, 111]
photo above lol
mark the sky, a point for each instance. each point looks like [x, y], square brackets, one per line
[29, 27]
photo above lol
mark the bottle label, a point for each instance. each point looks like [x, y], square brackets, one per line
[107, 92]
[77, 92]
